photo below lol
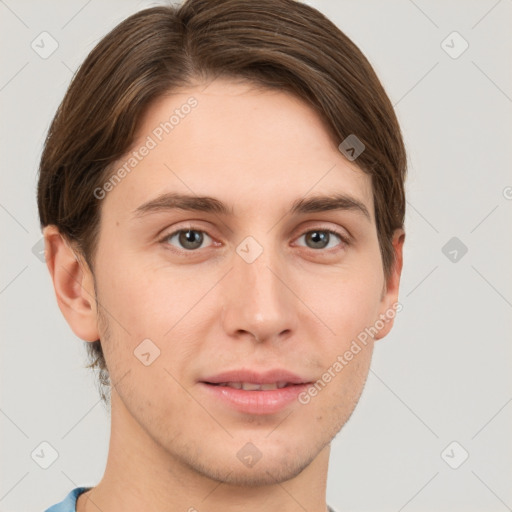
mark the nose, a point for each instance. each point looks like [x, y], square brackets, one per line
[258, 300]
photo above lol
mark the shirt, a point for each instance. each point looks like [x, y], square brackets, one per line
[68, 504]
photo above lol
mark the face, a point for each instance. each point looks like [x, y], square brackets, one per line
[251, 286]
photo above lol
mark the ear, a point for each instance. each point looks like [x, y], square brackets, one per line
[389, 302]
[73, 283]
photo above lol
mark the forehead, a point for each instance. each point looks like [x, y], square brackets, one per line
[240, 143]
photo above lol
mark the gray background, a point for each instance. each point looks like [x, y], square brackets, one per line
[444, 372]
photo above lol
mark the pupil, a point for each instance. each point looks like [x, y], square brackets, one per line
[319, 238]
[191, 239]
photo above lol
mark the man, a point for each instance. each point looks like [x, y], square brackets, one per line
[222, 199]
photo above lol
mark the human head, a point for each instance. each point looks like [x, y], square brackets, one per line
[162, 49]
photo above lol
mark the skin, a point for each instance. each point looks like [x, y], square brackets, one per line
[296, 306]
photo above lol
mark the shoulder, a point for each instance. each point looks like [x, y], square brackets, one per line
[68, 504]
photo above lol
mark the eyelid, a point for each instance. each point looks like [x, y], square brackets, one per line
[345, 237]
[341, 232]
[190, 227]
[345, 240]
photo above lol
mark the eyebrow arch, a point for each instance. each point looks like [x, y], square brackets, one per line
[323, 203]
[172, 201]
[314, 204]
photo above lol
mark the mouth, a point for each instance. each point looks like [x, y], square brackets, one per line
[251, 386]
[255, 393]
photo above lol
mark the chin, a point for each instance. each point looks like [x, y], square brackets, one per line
[274, 461]
[263, 473]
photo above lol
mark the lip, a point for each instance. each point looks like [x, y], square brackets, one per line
[267, 377]
[256, 402]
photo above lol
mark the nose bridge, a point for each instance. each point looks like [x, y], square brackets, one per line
[263, 288]
[258, 302]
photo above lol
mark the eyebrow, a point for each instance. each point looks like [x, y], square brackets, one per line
[313, 204]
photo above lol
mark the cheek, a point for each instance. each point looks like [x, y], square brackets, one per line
[347, 296]
[349, 305]
[351, 380]
[338, 391]
[150, 303]
[145, 301]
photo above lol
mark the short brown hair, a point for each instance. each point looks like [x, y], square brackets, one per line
[280, 44]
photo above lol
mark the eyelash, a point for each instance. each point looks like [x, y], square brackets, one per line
[344, 239]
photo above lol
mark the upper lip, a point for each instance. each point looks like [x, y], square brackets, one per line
[254, 377]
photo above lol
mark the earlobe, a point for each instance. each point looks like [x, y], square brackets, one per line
[390, 304]
[73, 284]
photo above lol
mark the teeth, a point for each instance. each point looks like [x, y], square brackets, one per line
[250, 386]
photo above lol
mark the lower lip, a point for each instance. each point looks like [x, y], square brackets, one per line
[255, 402]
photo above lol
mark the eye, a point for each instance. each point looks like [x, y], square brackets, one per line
[189, 239]
[321, 238]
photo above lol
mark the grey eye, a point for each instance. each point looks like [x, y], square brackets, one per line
[320, 238]
[189, 239]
